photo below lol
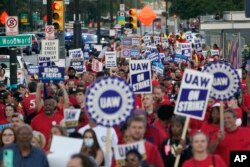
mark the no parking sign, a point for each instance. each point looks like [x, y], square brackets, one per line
[11, 25]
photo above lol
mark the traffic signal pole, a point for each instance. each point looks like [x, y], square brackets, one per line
[77, 28]
[12, 51]
[49, 12]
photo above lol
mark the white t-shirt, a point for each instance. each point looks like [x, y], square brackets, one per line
[101, 133]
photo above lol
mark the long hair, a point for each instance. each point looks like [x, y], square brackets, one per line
[93, 150]
[1, 135]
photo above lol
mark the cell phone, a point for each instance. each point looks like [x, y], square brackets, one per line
[8, 158]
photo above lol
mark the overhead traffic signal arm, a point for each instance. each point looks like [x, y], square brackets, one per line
[58, 15]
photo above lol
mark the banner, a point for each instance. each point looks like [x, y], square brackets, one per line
[140, 76]
[110, 59]
[194, 93]
[120, 151]
[71, 117]
[180, 58]
[51, 74]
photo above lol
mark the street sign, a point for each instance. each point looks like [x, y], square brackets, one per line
[50, 32]
[11, 25]
[122, 7]
[121, 18]
[19, 40]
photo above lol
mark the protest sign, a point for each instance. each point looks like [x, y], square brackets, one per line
[186, 49]
[197, 44]
[147, 40]
[44, 60]
[76, 54]
[51, 74]
[2, 126]
[215, 52]
[136, 42]
[51, 48]
[226, 80]
[60, 157]
[110, 59]
[120, 151]
[193, 95]
[71, 117]
[157, 40]
[109, 101]
[33, 69]
[96, 65]
[140, 76]
[180, 58]
[78, 65]
[188, 36]
[158, 67]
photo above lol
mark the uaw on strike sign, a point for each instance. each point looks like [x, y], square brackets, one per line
[194, 94]
[140, 76]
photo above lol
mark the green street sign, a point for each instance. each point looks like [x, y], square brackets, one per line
[19, 40]
[121, 20]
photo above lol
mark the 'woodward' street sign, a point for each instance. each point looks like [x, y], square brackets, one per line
[19, 40]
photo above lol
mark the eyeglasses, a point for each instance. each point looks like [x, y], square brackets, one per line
[131, 159]
[9, 135]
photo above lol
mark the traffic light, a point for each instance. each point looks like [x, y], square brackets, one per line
[58, 15]
[132, 19]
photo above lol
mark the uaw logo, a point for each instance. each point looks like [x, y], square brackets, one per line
[109, 101]
[226, 80]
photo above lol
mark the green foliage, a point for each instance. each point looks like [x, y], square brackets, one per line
[192, 8]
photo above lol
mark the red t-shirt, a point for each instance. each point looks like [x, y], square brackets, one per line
[207, 162]
[29, 104]
[43, 124]
[239, 139]
[153, 155]
[153, 136]
[165, 101]
[211, 130]
[163, 130]
[2, 117]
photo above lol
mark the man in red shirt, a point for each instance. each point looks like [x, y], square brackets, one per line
[137, 128]
[47, 116]
[160, 97]
[234, 138]
[29, 102]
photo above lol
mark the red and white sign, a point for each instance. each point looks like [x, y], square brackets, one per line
[50, 32]
[11, 25]
[96, 65]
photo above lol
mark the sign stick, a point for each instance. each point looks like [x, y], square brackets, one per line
[221, 116]
[142, 101]
[183, 137]
[107, 151]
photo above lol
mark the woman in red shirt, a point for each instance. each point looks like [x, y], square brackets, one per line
[201, 158]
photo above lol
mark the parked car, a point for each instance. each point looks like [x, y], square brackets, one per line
[35, 47]
[5, 62]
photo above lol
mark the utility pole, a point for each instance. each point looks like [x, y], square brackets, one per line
[166, 1]
[111, 14]
[49, 12]
[12, 51]
[77, 28]
[122, 26]
[98, 33]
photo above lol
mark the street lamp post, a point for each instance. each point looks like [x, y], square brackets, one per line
[77, 28]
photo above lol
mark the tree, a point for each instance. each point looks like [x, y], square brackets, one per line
[192, 8]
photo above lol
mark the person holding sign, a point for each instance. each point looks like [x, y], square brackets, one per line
[137, 128]
[239, 135]
[201, 158]
[170, 149]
